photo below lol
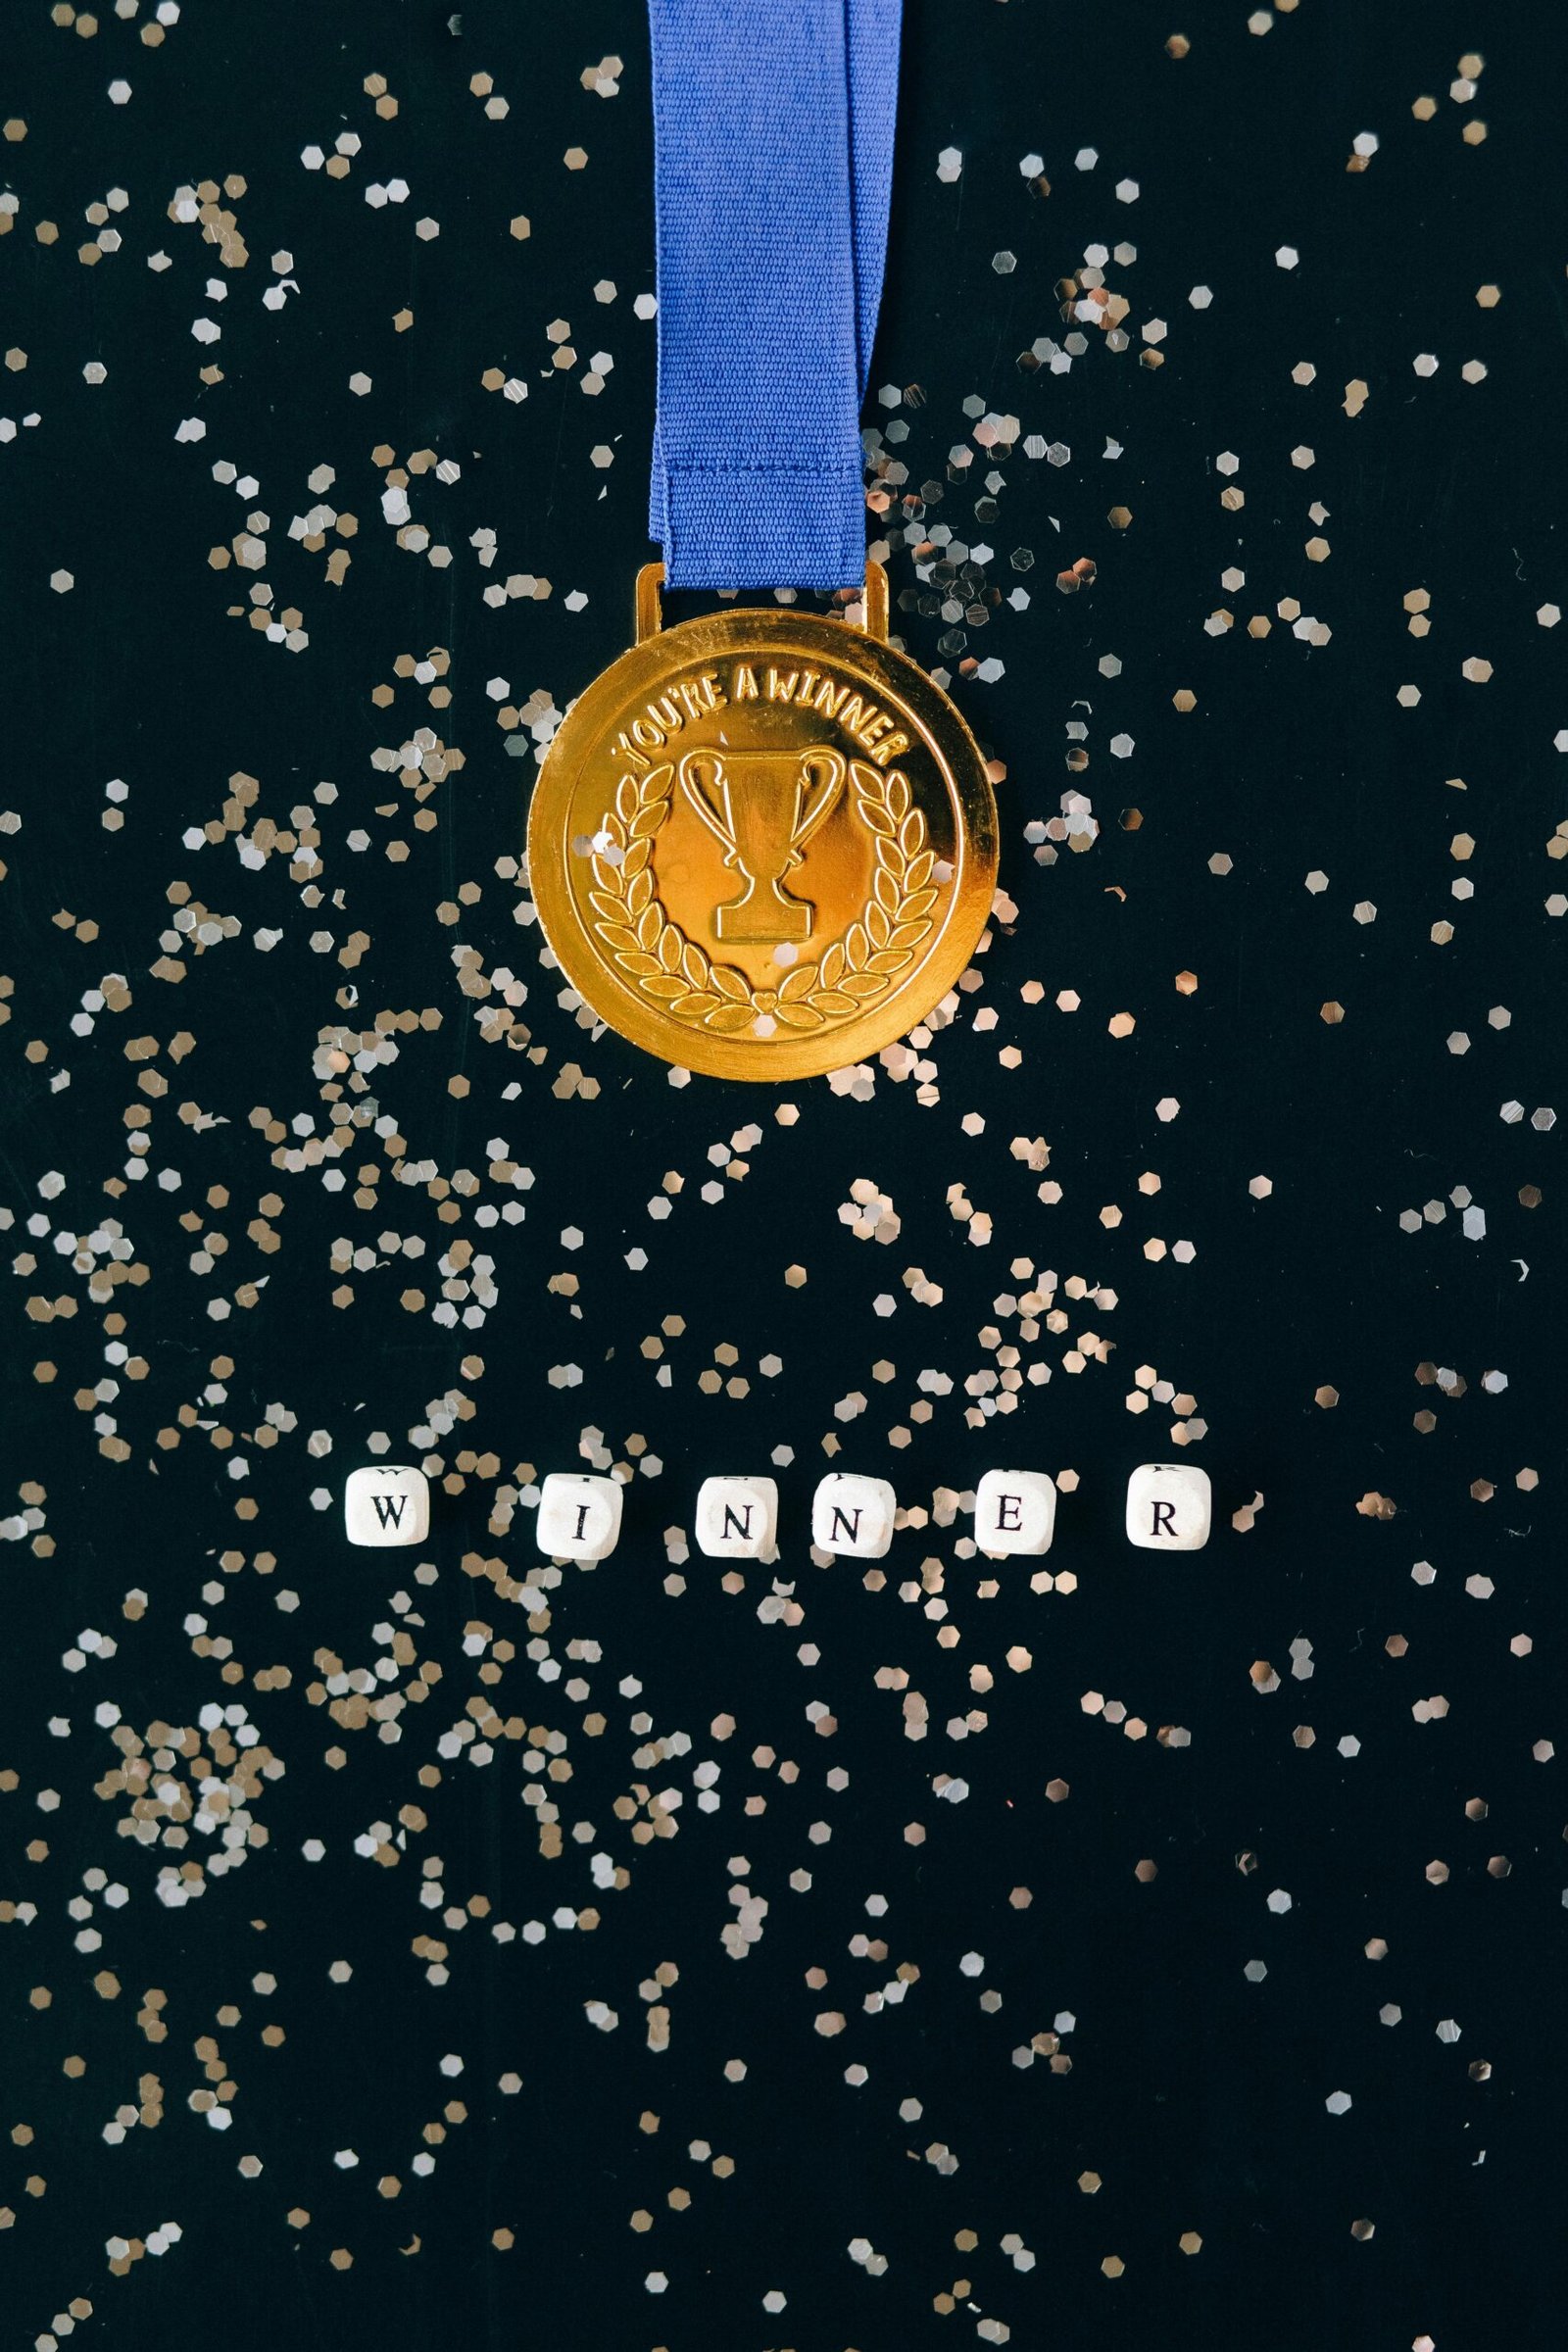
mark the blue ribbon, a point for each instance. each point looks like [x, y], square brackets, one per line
[772, 166]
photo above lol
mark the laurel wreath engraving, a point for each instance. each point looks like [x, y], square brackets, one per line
[849, 975]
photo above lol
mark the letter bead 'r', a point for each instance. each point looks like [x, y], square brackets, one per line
[1014, 1512]
[1168, 1506]
[579, 1516]
[854, 1516]
[386, 1505]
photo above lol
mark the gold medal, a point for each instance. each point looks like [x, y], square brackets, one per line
[762, 844]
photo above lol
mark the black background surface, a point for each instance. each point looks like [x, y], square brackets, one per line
[1197, 2096]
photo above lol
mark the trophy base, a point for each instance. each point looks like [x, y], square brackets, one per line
[763, 921]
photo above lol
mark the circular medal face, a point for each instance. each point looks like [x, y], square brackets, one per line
[764, 845]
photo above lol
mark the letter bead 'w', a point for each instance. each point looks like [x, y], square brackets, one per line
[386, 1505]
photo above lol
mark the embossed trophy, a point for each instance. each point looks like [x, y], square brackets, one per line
[763, 807]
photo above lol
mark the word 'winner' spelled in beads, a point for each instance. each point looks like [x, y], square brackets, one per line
[1168, 1508]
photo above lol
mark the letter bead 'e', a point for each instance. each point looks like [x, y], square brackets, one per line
[579, 1516]
[386, 1504]
[1015, 1511]
[854, 1516]
[1168, 1506]
[737, 1518]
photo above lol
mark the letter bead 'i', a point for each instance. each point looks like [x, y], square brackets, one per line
[579, 1516]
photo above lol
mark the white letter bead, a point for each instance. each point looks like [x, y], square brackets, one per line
[737, 1518]
[579, 1516]
[386, 1505]
[854, 1516]
[1168, 1506]
[1015, 1511]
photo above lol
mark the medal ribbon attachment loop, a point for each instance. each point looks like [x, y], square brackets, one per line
[772, 166]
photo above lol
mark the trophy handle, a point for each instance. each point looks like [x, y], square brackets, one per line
[821, 778]
[702, 776]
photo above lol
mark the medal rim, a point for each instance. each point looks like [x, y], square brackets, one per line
[754, 632]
